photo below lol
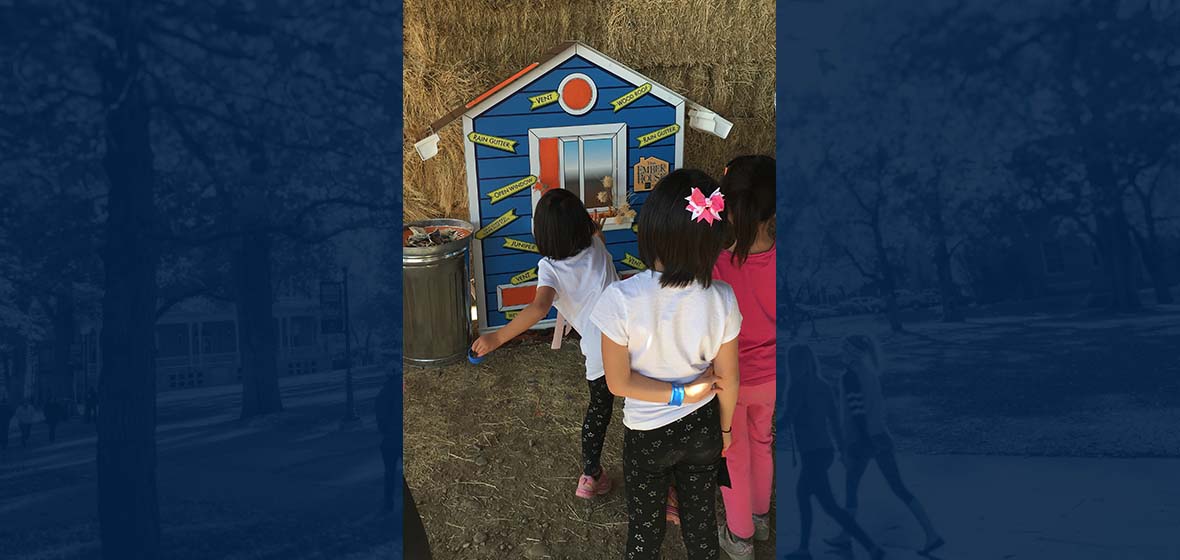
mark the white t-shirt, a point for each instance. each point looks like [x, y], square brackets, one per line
[579, 281]
[672, 335]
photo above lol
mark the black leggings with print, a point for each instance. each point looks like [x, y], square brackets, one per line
[602, 404]
[686, 453]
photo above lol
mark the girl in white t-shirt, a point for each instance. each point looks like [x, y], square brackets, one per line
[660, 329]
[576, 267]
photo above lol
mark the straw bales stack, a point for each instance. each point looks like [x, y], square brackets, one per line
[720, 54]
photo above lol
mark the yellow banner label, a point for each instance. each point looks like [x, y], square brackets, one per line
[653, 137]
[510, 315]
[510, 243]
[512, 188]
[493, 141]
[633, 262]
[630, 96]
[542, 100]
[635, 227]
[497, 224]
[530, 274]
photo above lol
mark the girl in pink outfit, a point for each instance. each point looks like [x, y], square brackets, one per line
[749, 267]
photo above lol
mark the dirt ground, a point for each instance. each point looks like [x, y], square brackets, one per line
[492, 455]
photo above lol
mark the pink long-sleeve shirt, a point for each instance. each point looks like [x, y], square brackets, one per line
[753, 284]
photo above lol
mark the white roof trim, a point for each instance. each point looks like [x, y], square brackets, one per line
[585, 51]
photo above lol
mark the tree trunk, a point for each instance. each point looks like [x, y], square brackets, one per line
[888, 283]
[1149, 249]
[6, 364]
[62, 385]
[1113, 229]
[18, 346]
[786, 305]
[257, 339]
[1118, 259]
[128, 511]
[1159, 277]
[16, 378]
[948, 291]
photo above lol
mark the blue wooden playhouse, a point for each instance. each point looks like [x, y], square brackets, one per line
[579, 121]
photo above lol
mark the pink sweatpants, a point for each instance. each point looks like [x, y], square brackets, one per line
[750, 459]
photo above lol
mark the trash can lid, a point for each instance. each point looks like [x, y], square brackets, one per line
[443, 249]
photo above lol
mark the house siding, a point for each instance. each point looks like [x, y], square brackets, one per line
[512, 119]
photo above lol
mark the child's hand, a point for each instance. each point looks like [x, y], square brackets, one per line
[701, 388]
[485, 344]
[726, 441]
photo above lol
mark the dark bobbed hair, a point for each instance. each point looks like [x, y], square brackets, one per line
[748, 186]
[561, 225]
[686, 249]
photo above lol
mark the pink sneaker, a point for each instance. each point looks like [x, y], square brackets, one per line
[589, 487]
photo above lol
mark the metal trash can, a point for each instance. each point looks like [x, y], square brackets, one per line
[436, 298]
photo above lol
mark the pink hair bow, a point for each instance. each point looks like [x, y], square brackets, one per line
[705, 208]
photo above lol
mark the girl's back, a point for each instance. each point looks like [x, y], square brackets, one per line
[749, 264]
[862, 401]
[671, 334]
[756, 279]
[579, 281]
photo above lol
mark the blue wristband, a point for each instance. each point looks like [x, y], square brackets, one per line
[677, 395]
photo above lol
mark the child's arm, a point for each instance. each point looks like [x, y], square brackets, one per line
[524, 320]
[624, 382]
[643, 388]
[726, 367]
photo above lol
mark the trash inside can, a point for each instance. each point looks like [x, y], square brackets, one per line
[436, 291]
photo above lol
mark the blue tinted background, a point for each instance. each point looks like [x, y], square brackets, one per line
[991, 190]
[180, 184]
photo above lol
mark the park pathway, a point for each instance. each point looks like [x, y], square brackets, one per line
[280, 486]
[1016, 508]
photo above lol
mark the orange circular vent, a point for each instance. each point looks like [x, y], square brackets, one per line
[577, 94]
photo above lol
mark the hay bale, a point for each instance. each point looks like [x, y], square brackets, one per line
[721, 56]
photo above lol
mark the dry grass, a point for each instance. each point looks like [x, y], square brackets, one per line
[720, 55]
[492, 454]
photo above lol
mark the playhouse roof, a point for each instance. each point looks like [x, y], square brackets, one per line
[705, 119]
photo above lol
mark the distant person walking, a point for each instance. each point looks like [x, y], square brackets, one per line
[811, 410]
[25, 415]
[91, 405]
[387, 423]
[866, 436]
[6, 413]
[54, 413]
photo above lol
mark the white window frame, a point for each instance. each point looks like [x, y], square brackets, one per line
[616, 132]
